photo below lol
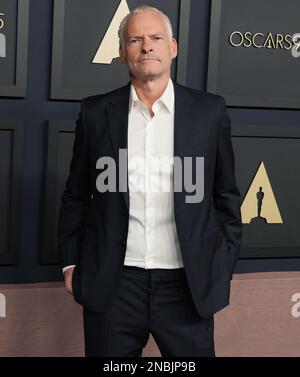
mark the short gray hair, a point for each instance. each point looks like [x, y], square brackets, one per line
[141, 9]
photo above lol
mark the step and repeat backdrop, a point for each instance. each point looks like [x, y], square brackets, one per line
[254, 51]
[253, 61]
[14, 25]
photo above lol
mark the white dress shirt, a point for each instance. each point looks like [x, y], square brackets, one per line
[152, 240]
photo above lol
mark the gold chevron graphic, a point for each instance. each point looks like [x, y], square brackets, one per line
[260, 203]
[109, 46]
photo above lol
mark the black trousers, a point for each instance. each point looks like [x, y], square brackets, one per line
[156, 301]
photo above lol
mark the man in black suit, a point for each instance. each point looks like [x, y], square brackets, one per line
[140, 259]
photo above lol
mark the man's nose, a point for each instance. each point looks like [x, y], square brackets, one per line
[147, 47]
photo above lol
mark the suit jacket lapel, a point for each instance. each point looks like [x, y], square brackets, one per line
[117, 112]
[183, 132]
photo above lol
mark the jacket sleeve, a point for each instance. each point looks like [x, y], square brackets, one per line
[226, 195]
[76, 199]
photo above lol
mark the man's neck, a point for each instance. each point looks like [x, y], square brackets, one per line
[150, 91]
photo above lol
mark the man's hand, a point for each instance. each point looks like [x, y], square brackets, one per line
[68, 279]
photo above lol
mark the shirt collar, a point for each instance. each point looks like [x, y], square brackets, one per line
[167, 98]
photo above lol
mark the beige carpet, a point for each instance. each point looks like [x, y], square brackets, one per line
[43, 320]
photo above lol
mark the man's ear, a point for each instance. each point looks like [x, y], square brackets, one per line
[174, 48]
[122, 55]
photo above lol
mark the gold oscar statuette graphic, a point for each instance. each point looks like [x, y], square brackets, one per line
[2, 38]
[109, 46]
[259, 205]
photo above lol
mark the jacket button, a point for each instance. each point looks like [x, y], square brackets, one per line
[123, 243]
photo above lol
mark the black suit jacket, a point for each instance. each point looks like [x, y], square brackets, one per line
[93, 226]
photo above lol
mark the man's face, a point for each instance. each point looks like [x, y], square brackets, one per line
[147, 49]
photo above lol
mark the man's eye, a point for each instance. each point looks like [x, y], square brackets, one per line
[133, 40]
[157, 38]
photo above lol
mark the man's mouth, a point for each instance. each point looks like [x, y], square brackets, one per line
[147, 59]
